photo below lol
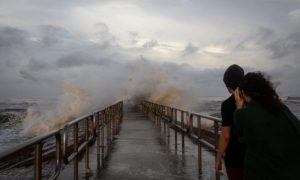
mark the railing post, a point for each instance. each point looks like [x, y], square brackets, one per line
[165, 128]
[199, 146]
[58, 152]
[97, 131]
[168, 123]
[75, 161]
[216, 129]
[116, 120]
[94, 119]
[65, 144]
[175, 121]
[38, 161]
[159, 119]
[182, 132]
[191, 124]
[112, 123]
[111, 127]
[160, 116]
[120, 118]
[107, 120]
[102, 137]
[87, 159]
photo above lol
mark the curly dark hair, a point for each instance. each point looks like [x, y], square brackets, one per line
[260, 88]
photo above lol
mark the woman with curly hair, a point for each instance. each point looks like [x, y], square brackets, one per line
[268, 128]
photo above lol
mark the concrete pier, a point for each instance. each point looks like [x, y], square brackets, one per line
[141, 152]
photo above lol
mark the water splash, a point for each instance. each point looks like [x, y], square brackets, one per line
[71, 105]
[151, 82]
[170, 95]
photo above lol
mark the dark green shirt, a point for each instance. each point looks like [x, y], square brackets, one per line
[273, 143]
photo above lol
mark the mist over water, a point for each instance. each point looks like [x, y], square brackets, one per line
[136, 81]
[95, 87]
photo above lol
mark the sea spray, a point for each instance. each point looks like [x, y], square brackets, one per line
[169, 96]
[141, 80]
[73, 102]
[150, 81]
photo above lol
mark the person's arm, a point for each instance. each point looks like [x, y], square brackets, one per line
[223, 143]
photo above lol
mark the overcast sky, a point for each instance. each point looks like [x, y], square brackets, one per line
[117, 47]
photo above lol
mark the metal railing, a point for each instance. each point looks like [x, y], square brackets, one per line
[63, 146]
[187, 124]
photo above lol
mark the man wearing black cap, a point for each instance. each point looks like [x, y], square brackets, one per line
[228, 143]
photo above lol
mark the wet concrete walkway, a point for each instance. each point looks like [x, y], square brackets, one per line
[141, 153]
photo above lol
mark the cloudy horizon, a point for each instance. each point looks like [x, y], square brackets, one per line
[117, 47]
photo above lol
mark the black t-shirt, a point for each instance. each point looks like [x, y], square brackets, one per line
[235, 152]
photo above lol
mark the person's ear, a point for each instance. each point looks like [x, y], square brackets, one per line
[245, 96]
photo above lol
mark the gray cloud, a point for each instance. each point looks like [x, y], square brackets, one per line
[101, 29]
[13, 48]
[289, 45]
[261, 37]
[190, 49]
[74, 59]
[38, 65]
[27, 75]
[77, 59]
[281, 46]
[11, 37]
[52, 35]
[150, 44]
[134, 37]
[104, 36]
[264, 35]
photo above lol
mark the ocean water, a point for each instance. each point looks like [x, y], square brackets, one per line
[12, 112]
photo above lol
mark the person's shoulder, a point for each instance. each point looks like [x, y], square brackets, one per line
[246, 111]
[228, 102]
[253, 106]
[242, 110]
[241, 113]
